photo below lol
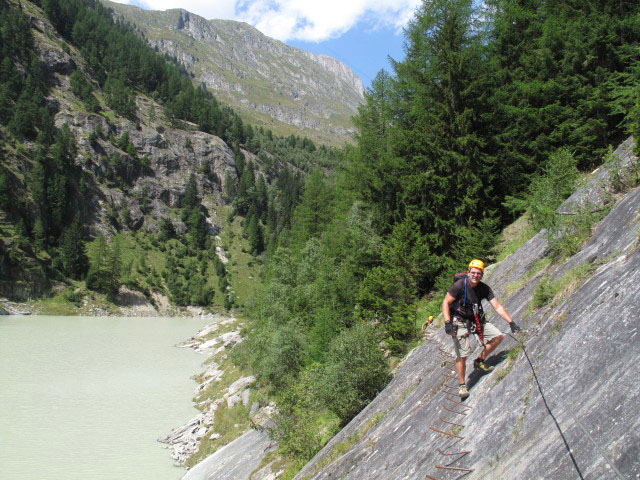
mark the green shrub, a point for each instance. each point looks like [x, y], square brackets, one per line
[543, 293]
[355, 372]
[303, 426]
[622, 177]
[548, 191]
[547, 292]
[385, 297]
[280, 353]
[570, 232]
[74, 296]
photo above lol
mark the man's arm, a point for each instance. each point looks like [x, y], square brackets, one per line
[446, 304]
[497, 306]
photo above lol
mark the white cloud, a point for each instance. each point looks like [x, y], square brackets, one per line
[309, 20]
[205, 8]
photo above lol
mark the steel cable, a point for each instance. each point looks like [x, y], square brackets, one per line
[578, 422]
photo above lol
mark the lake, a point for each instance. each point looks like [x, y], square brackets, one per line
[87, 397]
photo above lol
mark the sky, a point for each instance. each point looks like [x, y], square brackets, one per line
[363, 34]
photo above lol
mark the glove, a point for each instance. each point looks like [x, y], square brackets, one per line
[514, 327]
[448, 328]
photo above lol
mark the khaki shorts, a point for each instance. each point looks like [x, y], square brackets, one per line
[462, 340]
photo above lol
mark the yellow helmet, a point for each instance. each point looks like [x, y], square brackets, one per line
[475, 263]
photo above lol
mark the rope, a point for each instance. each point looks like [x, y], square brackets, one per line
[578, 422]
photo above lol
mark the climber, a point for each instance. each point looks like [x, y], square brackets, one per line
[462, 312]
[426, 324]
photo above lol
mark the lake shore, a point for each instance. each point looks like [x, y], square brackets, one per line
[127, 303]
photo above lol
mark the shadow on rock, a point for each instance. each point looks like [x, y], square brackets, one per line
[492, 361]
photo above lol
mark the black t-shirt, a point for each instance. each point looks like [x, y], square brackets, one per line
[474, 295]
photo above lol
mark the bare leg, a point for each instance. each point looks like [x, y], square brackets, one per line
[490, 347]
[461, 364]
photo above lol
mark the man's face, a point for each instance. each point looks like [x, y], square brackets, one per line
[475, 275]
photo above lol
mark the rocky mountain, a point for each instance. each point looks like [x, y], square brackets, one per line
[560, 401]
[282, 88]
[173, 153]
[125, 174]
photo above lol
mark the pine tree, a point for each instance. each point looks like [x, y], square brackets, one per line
[120, 97]
[375, 172]
[197, 226]
[229, 187]
[98, 261]
[5, 191]
[435, 165]
[261, 199]
[114, 270]
[72, 250]
[255, 236]
[314, 210]
[558, 66]
[190, 199]
[245, 194]
[39, 234]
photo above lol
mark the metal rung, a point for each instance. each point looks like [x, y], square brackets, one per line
[449, 391]
[454, 411]
[453, 453]
[450, 423]
[444, 385]
[456, 468]
[459, 403]
[446, 392]
[446, 433]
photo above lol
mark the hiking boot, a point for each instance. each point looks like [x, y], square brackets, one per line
[481, 366]
[462, 391]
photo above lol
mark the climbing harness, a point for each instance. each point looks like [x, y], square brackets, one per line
[474, 327]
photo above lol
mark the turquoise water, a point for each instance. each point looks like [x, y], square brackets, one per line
[87, 397]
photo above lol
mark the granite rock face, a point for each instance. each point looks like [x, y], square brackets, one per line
[280, 87]
[130, 184]
[563, 407]
[234, 461]
[155, 178]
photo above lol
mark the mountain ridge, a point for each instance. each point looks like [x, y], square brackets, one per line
[124, 160]
[272, 84]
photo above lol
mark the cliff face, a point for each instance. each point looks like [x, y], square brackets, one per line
[173, 155]
[563, 407]
[280, 87]
[126, 187]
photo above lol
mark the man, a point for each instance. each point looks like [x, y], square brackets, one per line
[462, 311]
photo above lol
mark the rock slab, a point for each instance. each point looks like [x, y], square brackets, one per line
[234, 461]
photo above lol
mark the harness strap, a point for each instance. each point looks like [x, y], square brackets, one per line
[464, 301]
[479, 328]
